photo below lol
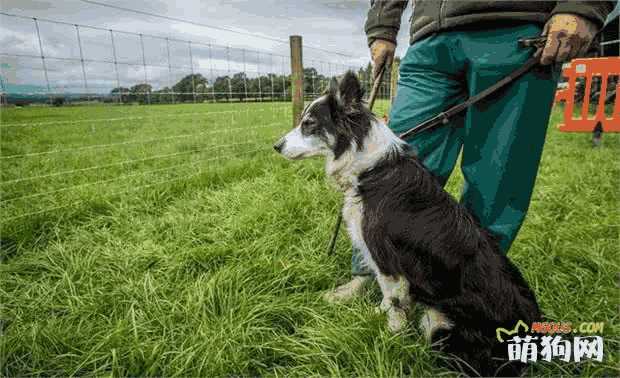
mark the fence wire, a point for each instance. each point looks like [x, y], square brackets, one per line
[71, 132]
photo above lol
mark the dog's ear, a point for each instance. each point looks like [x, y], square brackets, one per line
[333, 98]
[350, 91]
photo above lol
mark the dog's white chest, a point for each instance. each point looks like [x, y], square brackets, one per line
[353, 214]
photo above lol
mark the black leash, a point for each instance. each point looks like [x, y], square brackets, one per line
[444, 117]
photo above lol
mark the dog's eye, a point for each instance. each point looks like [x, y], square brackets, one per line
[307, 126]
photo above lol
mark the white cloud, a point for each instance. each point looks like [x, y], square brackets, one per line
[325, 24]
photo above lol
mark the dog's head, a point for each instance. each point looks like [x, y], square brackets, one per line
[333, 123]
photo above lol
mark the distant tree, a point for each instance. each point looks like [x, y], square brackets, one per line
[284, 87]
[220, 87]
[189, 85]
[120, 92]
[314, 82]
[58, 101]
[162, 96]
[203, 91]
[239, 85]
[274, 86]
[141, 93]
[22, 102]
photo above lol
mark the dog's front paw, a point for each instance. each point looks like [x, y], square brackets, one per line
[404, 302]
[385, 305]
[397, 319]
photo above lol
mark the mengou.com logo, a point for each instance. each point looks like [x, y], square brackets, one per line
[551, 340]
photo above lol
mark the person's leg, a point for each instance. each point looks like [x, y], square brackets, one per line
[357, 264]
[504, 136]
[431, 80]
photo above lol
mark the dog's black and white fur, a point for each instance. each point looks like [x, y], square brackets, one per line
[421, 244]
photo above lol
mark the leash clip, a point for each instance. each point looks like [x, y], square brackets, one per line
[444, 118]
[539, 41]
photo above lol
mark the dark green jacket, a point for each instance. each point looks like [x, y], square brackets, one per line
[431, 16]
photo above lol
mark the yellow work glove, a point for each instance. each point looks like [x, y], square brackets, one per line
[568, 36]
[381, 53]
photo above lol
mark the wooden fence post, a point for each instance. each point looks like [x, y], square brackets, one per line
[297, 78]
[394, 78]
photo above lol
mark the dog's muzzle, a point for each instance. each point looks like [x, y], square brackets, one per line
[279, 145]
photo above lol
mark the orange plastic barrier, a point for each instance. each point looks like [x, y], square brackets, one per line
[587, 69]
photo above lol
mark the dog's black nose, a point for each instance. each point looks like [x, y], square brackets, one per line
[279, 145]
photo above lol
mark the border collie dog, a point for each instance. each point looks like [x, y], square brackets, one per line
[421, 244]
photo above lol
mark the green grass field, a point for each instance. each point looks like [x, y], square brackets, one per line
[170, 240]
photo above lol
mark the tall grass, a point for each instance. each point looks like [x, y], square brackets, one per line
[221, 273]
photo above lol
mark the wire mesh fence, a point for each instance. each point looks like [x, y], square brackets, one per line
[56, 62]
[70, 136]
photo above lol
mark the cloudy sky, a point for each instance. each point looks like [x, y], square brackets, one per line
[335, 25]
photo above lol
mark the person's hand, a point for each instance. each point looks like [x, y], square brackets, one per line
[381, 53]
[568, 36]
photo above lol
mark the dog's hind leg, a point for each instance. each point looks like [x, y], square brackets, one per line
[433, 321]
[403, 294]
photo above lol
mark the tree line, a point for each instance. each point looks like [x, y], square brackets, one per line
[238, 87]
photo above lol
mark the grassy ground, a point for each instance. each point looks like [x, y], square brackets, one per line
[207, 255]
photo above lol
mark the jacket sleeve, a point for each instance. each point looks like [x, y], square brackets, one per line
[595, 11]
[383, 19]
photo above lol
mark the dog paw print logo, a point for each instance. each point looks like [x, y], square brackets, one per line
[501, 333]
